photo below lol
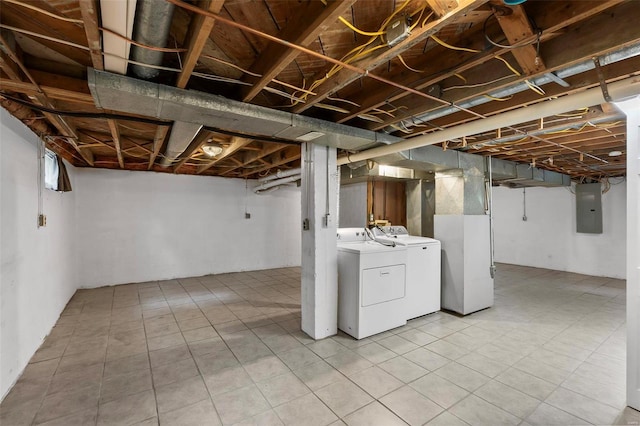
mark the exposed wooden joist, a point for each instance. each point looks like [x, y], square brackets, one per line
[50, 91]
[289, 154]
[89, 10]
[517, 28]
[237, 143]
[197, 35]
[344, 77]
[255, 156]
[276, 57]
[158, 141]
[115, 134]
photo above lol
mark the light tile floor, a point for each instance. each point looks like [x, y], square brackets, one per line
[227, 349]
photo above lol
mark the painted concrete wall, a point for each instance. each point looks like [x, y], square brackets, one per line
[548, 239]
[141, 226]
[353, 205]
[36, 265]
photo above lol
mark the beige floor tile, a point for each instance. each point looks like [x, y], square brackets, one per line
[507, 398]
[169, 355]
[68, 402]
[546, 415]
[203, 347]
[76, 379]
[83, 418]
[542, 370]
[128, 409]
[499, 354]
[447, 419]
[526, 383]
[343, 397]
[418, 337]
[199, 414]
[375, 352]
[326, 348]
[608, 393]
[580, 406]
[179, 394]
[476, 411]
[426, 359]
[348, 362]
[165, 341]
[375, 381]
[447, 350]
[198, 334]
[398, 344]
[227, 380]
[265, 368]
[462, 376]
[279, 344]
[318, 375]
[411, 406]
[307, 410]
[240, 404]
[118, 386]
[268, 418]
[482, 364]
[403, 369]
[373, 414]
[280, 389]
[439, 390]
[216, 361]
[174, 372]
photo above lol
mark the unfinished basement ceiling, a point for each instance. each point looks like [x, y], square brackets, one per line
[454, 64]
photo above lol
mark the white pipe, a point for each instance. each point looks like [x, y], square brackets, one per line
[278, 182]
[618, 91]
[118, 16]
[273, 188]
[280, 174]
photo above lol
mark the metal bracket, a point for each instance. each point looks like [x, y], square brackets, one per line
[603, 84]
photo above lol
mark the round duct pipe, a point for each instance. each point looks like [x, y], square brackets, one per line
[618, 91]
[280, 174]
[277, 182]
[151, 28]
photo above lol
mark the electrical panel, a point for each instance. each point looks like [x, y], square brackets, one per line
[589, 208]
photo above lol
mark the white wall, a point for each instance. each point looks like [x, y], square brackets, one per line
[353, 205]
[548, 239]
[142, 226]
[36, 265]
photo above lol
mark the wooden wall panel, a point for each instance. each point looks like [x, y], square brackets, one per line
[387, 201]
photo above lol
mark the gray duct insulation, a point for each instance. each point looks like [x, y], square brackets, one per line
[152, 24]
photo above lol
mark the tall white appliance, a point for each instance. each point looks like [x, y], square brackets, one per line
[423, 269]
[467, 284]
[371, 284]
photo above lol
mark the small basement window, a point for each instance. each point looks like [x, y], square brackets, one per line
[51, 170]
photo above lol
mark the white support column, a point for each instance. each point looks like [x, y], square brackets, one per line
[632, 110]
[319, 253]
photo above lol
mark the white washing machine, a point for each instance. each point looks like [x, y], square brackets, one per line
[371, 284]
[423, 269]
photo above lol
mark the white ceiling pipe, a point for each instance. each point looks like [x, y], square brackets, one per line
[618, 91]
[118, 17]
[274, 188]
[181, 136]
[278, 182]
[280, 174]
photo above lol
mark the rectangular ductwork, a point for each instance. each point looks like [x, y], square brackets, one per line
[125, 94]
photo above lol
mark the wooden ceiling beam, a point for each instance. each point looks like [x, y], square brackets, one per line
[311, 20]
[291, 153]
[517, 28]
[345, 77]
[89, 11]
[51, 92]
[158, 140]
[115, 135]
[553, 25]
[255, 156]
[236, 144]
[197, 36]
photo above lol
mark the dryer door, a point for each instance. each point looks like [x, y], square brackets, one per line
[383, 284]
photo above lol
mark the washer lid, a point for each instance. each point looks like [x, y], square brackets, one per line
[410, 240]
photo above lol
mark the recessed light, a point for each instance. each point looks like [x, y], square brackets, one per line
[615, 153]
[212, 149]
[310, 136]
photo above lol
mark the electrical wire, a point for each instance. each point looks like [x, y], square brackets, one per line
[42, 36]
[359, 31]
[142, 45]
[449, 46]
[45, 12]
[506, 46]
[407, 66]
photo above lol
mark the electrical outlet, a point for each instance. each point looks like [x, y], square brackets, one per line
[305, 225]
[247, 215]
[42, 220]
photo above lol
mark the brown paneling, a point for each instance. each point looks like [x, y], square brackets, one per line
[387, 201]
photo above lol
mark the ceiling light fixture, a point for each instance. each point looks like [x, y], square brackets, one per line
[615, 153]
[211, 149]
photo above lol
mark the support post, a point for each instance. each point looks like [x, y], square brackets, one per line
[319, 301]
[632, 109]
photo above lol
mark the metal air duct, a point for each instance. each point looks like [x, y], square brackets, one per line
[179, 140]
[152, 24]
